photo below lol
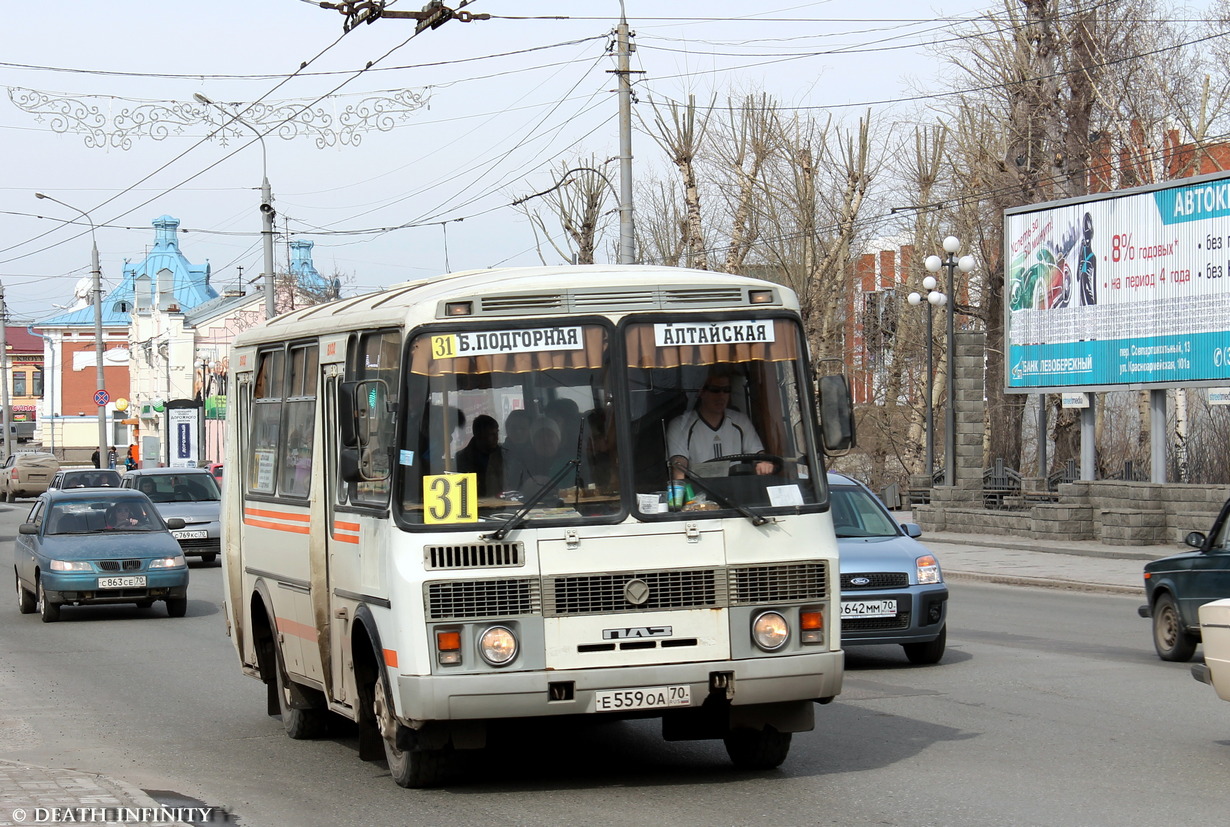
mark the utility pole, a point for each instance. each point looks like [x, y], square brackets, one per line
[4, 377]
[627, 235]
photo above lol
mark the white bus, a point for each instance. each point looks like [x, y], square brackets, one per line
[450, 502]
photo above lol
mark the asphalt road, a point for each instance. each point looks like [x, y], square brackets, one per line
[1049, 708]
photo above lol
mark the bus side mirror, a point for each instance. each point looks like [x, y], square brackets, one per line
[348, 465]
[348, 413]
[836, 413]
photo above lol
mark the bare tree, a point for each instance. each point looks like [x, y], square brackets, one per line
[681, 140]
[577, 202]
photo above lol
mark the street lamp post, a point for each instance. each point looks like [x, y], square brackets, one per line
[101, 383]
[266, 207]
[951, 263]
[934, 298]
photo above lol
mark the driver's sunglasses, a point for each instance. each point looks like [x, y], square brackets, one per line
[717, 388]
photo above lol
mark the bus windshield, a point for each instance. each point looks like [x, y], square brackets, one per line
[494, 416]
[707, 417]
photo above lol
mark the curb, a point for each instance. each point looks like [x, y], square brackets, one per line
[32, 787]
[1119, 554]
[1044, 583]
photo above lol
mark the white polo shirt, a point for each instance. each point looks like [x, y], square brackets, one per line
[691, 436]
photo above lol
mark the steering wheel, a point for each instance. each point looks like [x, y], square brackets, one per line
[778, 462]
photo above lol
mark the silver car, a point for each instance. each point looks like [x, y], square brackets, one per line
[892, 588]
[191, 494]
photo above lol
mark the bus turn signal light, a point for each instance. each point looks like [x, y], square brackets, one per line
[448, 647]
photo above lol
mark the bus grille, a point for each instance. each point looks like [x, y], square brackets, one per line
[460, 599]
[702, 296]
[605, 593]
[783, 583]
[474, 556]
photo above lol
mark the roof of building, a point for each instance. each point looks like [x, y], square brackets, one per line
[188, 284]
[20, 340]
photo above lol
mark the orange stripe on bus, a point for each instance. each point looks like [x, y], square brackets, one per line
[293, 529]
[297, 629]
[345, 538]
[390, 658]
[347, 526]
[281, 515]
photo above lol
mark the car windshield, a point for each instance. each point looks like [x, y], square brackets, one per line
[857, 513]
[102, 516]
[169, 488]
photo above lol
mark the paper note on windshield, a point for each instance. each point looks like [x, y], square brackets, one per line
[785, 495]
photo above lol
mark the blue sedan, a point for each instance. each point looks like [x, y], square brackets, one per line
[892, 588]
[87, 546]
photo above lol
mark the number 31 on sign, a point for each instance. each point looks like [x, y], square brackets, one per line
[450, 498]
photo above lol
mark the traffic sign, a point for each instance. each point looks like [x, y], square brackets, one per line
[101, 398]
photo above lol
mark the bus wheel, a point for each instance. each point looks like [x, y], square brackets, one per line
[300, 724]
[409, 768]
[757, 749]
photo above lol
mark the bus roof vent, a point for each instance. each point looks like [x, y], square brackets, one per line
[702, 296]
[614, 300]
[522, 303]
[474, 556]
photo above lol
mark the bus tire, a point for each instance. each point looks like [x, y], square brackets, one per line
[300, 724]
[413, 768]
[757, 749]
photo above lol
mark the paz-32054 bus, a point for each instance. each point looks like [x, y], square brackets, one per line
[457, 500]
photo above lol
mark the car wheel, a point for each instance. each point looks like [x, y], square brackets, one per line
[26, 603]
[757, 749]
[929, 652]
[1170, 639]
[48, 611]
[177, 606]
[409, 768]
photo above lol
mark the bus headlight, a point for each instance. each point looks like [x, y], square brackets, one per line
[770, 631]
[497, 645]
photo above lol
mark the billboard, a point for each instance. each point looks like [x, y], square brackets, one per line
[1121, 290]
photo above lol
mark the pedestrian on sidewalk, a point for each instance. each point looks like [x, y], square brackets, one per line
[94, 458]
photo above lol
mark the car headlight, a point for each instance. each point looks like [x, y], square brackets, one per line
[497, 645]
[770, 631]
[71, 565]
[928, 570]
[168, 562]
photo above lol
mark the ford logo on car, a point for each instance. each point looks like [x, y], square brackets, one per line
[860, 581]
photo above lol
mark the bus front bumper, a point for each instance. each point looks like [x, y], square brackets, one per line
[574, 692]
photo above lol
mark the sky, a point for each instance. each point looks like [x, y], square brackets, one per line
[98, 111]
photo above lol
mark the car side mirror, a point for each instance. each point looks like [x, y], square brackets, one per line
[175, 523]
[27, 528]
[912, 530]
[1195, 539]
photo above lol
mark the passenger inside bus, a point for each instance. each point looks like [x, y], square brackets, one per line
[517, 447]
[483, 456]
[546, 458]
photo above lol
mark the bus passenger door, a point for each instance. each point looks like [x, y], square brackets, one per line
[342, 554]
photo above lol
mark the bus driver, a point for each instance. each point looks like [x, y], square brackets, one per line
[711, 429]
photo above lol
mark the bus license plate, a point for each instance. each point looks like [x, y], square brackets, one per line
[650, 697]
[868, 608]
[132, 581]
[190, 535]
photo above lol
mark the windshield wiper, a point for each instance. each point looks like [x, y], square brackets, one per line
[519, 517]
[695, 479]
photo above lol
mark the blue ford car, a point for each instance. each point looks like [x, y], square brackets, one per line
[892, 588]
[84, 546]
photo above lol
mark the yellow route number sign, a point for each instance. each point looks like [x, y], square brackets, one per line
[450, 498]
[444, 347]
